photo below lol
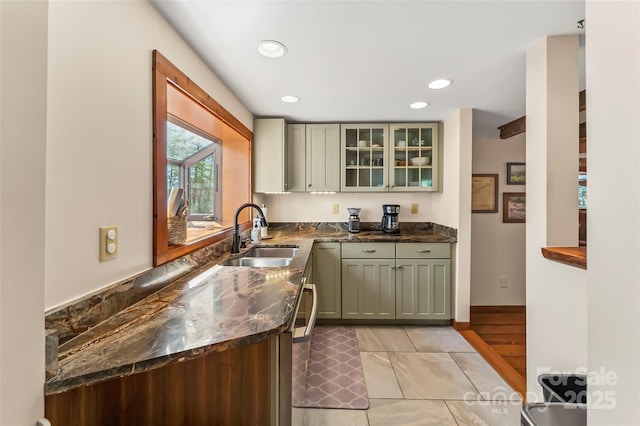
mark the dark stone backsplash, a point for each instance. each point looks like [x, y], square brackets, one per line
[406, 227]
[80, 315]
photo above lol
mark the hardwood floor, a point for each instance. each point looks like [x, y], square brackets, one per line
[499, 334]
[504, 329]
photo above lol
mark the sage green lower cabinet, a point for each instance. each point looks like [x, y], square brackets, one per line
[326, 277]
[368, 281]
[368, 289]
[402, 281]
[423, 289]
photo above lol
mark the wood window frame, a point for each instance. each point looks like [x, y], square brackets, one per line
[165, 74]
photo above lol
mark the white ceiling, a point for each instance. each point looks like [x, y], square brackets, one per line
[352, 61]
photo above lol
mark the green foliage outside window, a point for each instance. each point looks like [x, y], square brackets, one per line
[191, 165]
[201, 187]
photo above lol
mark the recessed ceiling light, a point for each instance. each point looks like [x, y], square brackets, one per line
[439, 84]
[290, 99]
[418, 105]
[271, 48]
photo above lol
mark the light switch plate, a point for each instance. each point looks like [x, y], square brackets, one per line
[108, 246]
[336, 208]
[414, 208]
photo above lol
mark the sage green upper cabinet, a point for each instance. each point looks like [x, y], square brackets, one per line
[364, 153]
[414, 157]
[368, 157]
[270, 163]
[322, 157]
[398, 157]
[296, 147]
[295, 157]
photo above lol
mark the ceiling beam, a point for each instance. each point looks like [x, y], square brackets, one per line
[512, 128]
[519, 125]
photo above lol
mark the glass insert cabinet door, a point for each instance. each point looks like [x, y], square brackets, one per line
[414, 157]
[364, 157]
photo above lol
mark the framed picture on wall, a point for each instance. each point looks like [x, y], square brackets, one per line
[514, 207]
[516, 174]
[484, 193]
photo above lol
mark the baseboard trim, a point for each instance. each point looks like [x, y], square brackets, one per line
[502, 367]
[497, 309]
[457, 325]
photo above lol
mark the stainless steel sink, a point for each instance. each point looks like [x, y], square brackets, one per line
[264, 257]
[271, 252]
[259, 262]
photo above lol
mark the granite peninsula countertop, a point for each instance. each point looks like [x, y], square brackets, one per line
[211, 309]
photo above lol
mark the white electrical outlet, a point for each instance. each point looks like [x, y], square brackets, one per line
[504, 282]
[414, 208]
[108, 242]
[336, 208]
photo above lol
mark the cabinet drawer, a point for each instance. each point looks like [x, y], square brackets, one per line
[423, 251]
[368, 250]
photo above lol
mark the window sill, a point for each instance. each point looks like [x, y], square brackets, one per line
[197, 230]
[572, 256]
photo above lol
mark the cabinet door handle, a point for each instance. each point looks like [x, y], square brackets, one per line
[368, 251]
[423, 251]
[397, 267]
[309, 185]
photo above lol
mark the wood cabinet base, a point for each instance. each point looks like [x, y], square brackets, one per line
[223, 388]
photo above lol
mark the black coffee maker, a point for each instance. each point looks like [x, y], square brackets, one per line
[390, 222]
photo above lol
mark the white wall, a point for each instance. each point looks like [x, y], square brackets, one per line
[99, 137]
[300, 207]
[613, 149]
[23, 82]
[452, 207]
[497, 248]
[556, 293]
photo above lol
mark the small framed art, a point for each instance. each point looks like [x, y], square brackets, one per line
[516, 173]
[514, 207]
[484, 193]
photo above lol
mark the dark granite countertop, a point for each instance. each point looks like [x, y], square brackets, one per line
[212, 309]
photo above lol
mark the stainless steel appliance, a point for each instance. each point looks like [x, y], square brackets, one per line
[301, 331]
[354, 220]
[390, 222]
[293, 353]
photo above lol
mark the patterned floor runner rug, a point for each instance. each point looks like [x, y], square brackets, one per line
[334, 372]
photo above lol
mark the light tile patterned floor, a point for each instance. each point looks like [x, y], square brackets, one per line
[422, 376]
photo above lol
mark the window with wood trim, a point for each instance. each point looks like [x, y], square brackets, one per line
[202, 150]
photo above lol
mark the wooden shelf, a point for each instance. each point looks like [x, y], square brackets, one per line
[573, 256]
